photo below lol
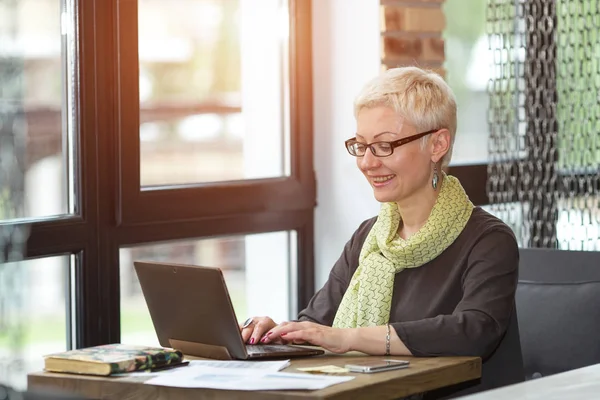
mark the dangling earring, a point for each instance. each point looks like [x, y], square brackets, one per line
[434, 181]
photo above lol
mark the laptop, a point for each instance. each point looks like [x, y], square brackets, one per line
[191, 311]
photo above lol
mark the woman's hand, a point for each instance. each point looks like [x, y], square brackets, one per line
[254, 332]
[335, 340]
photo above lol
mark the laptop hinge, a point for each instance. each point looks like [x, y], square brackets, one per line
[201, 349]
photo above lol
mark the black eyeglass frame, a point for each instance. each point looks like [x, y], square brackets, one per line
[393, 144]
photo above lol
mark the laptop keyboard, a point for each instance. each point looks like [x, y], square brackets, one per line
[269, 348]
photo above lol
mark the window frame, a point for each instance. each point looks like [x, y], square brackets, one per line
[114, 212]
[204, 200]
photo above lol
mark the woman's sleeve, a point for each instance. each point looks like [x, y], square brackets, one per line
[481, 318]
[324, 304]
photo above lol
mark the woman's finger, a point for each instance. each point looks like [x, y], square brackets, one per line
[296, 337]
[246, 328]
[247, 332]
[261, 326]
[286, 328]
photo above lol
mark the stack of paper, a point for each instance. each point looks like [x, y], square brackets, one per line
[272, 366]
[243, 375]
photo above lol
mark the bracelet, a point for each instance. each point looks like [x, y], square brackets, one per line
[387, 340]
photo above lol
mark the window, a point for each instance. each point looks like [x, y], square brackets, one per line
[35, 311]
[467, 63]
[36, 106]
[258, 271]
[282, 193]
[213, 87]
[106, 201]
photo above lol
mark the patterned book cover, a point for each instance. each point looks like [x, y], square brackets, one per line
[119, 358]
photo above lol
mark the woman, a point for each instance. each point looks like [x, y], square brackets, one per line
[431, 275]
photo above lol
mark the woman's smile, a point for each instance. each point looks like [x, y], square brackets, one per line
[381, 180]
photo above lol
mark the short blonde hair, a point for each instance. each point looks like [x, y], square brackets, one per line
[420, 96]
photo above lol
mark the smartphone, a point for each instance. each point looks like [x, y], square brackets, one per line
[370, 367]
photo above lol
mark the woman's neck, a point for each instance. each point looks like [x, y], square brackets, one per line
[415, 211]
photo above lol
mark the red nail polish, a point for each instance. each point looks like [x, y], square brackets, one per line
[252, 341]
[283, 334]
[268, 334]
[264, 339]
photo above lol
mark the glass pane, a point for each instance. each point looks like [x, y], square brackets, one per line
[257, 269]
[36, 65]
[578, 224]
[468, 64]
[213, 90]
[33, 315]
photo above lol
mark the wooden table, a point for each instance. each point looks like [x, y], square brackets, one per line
[422, 375]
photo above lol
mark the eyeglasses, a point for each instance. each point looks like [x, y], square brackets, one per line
[381, 149]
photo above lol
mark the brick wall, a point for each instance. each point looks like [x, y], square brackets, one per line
[411, 34]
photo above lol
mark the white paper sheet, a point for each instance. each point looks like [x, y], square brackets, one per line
[248, 366]
[245, 379]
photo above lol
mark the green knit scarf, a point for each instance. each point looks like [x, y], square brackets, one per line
[367, 301]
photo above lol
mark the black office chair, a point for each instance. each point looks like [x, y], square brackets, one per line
[558, 309]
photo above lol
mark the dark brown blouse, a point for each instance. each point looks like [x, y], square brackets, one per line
[460, 303]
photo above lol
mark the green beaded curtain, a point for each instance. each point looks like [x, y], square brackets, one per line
[544, 117]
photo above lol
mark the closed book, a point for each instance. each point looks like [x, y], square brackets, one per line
[112, 359]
